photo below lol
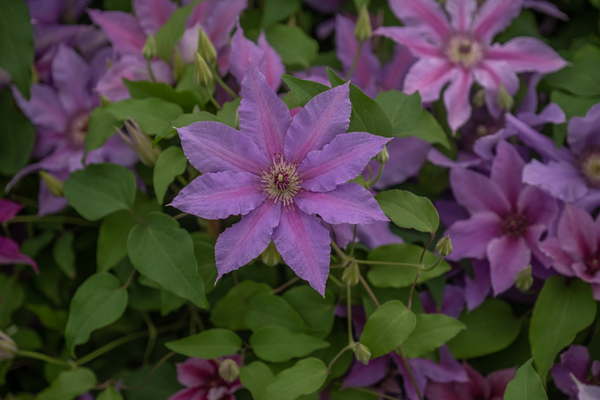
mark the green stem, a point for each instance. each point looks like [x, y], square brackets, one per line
[214, 102]
[349, 302]
[354, 61]
[182, 180]
[285, 285]
[151, 339]
[223, 84]
[387, 263]
[152, 77]
[369, 291]
[338, 355]
[381, 395]
[353, 241]
[339, 251]
[336, 280]
[108, 347]
[371, 183]
[43, 357]
[52, 219]
[410, 373]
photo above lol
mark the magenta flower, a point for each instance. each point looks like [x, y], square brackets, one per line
[507, 217]
[203, 382]
[9, 249]
[278, 174]
[571, 375]
[457, 47]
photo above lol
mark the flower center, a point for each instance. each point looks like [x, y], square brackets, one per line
[514, 224]
[77, 127]
[463, 49]
[589, 165]
[280, 181]
[592, 262]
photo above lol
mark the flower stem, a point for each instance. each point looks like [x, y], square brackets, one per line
[43, 357]
[338, 355]
[152, 77]
[285, 285]
[214, 102]
[224, 85]
[339, 251]
[374, 181]
[410, 373]
[354, 61]
[397, 264]
[349, 309]
[52, 219]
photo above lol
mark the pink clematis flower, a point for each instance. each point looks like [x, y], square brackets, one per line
[571, 375]
[9, 249]
[457, 47]
[278, 174]
[203, 382]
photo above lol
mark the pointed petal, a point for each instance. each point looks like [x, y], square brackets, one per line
[539, 207]
[490, 74]
[448, 370]
[196, 372]
[43, 108]
[304, 245]
[542, 144]
[411, 38]
[407, 156]
[273, 66]
[453, 301]
[220, 194]
[476, 388]
[339, 161]
[221, 19]
[471, 237]
[457, 98]
[507, 170]
[122, 29]
[377, 234]
[428, 76]
[476, 291]
[561, 261]
[244, 50]
[393, 73]
[71, 76]
[544, 6]
[583, 131]
[527, 54]
[461, 13]
[214, 147]
[9, 254]
[361, 375]
[576, 360]
[562, 179]
[263, 116]
[247, 239]
[499, 380]
[427, 15]
[441, 391]
[576, 233]
[477, 192]
[153, 14]
[8, 209]
[193, 393]
[493, 17]
[587, 392]
[508, 255]
[321, 120]
[54, 162]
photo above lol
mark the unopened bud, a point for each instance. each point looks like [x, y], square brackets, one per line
[383, 156]
[363, 30]
[351, 274]
[54, 185]
[35, 77]
[108, 63]
[524, 279]
[479, 98]
[178, 65]
[444, 246]
[104, 101]
[362, 353]
[8, 347]
[149, 49]
[505, 100]
[206, 48]
[271, 256]
[229, 370]
[140, 143]
[202, 73]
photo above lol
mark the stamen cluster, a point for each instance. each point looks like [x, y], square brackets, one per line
[589, 165]
[464, 50]
[281, 181]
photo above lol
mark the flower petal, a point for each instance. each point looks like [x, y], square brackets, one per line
[196, 372]
[348, 203]
[476, 291]
[49, 203]
[153, 14]
[561, 261]
[448, 370]
[411, 38]
[576, 233]
[10, 254]
[71, 76]
[562, 179]
[508, 255]
[542, 144]
[194, 393]
[273, 66]
[407, 156]
[471, 237]
[54, 162]
[493, 17]
[304, 245]
[361, 375]
[477, 192]
[544, 6]
[245, 240]
[490, 74]
[377, 234]
[441, 391]
[339, 161]
[43, 108]
[583, 131]
[499, 380]
[323, 118]
[527, 54]
[461, 13]
[507, 170]
[539, 207]
[8, 209]
[457, 98]
[576, 361]
[428, 76]
[220, 17]
[243, 50]
[214, 147]
[394, 72]
[122, 29]
[427, 15]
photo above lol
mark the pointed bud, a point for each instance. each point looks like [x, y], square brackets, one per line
[196, 109]
[229, 370]
[108, 63]
[363, 30]
[206, 48]
[524, 279]
[104, 101]
[271, 256]
[444, 246]
[55, 185]
[383, 156]
[8, 347]
[178, 65]
[362, 353]
[505, 100]
[139, 142]
[202, 73]
[479, 98]
[351, 274]
[149, 50]
[35, 78]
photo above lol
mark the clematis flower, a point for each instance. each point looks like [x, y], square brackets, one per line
[571, 375]
[507, 217]
[457, 47]
[9, 249]
[203, 382]
[60, 115]
[278, 173]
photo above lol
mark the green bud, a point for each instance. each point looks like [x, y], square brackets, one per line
[363, 30]
[149, 49]
[444, 246]
[35, 78]
[229, 370]
[271, 256]
[524, 279]
[505, 100]
[55, 185]
[104, 101]
[8, 347]
[140, 143]
[178, 65]
[206, 48]
[383, 156]
[108, 63]
[202, 73]
[351, 274]
[362, 353]
[479, 98]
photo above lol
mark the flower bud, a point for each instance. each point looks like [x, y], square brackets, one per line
[8, 347]
[505, 100]
[524, 279]
[139, 142]
[202, 73]
[362, 30]
[178, 65]
[206, 48]
[383, 156]
[362, 353]
[271, 256]
[104, 101]
[149, 50]
[444, 246]
[229, 370]
[479, 98]
[351, 274]
[55, 185]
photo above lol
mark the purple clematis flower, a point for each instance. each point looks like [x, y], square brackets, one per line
[571, 375]
[278, 174]
[459, 50]
[60, 115]
[507, 217]
[9, 249]
[203, 382]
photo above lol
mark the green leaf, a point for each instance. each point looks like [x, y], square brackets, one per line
[209, 344]
[293, 45]
[154, 115]
[317, 311]
[431, 332]
[334, 79]
[429, 130]
[110, 393]
[305, 90]
[267, 309]
[256, 377]
[64, 256]
[387, 328]
[27, 339]
[581, 76]
[101, 126]
[170, 33]
[170, 302]
[49, 317]
[228, 114]
[525, 385]
[170, 163]
[277, 10]
[291, 100]
[230, 311]
[367, 115]
[165, 253]
[187, 120]
[16, 49]
[560, 312]
[349, 393]
[69, 384]
[17, 135]
[98, 302]
[162, 385]
[403, 110]
[144, 89]
[490, 328]
[100, 189]
[278, 344]
[305, 377]
[407, 210]
[572, 106]
[204, 250]
[12, 299]
[396, 276]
